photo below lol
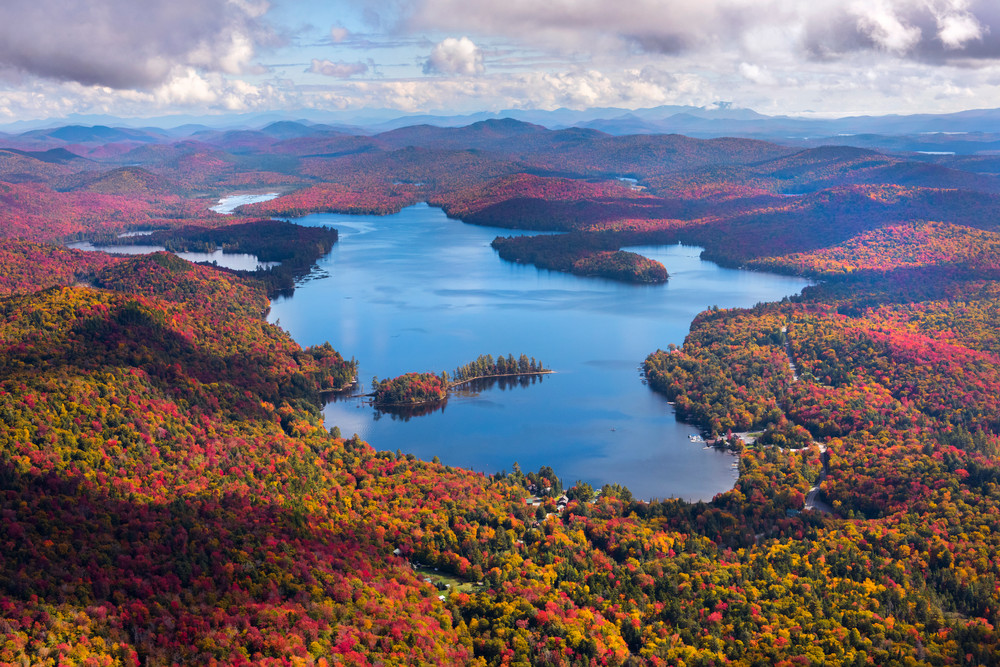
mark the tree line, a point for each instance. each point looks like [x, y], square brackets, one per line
[486, 366]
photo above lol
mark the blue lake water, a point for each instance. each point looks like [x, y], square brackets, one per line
[419, 292]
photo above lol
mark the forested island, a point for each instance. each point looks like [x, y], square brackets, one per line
[170, 494]
[582, 255]
[410, 389]
[486, 367]
[417, 388]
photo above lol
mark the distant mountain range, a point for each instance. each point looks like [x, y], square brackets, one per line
[964, 133]
[923, 150]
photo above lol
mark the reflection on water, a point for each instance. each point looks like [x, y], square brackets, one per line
[237, 261]
[470, 389]
[405, 413]
[476, 387]
[116, 249]
[419, 292]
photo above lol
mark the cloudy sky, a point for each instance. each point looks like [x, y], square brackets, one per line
[828, 57]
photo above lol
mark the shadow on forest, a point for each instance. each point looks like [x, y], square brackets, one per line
[162, 566]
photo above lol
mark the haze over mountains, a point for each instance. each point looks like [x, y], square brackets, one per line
[965, 133]
[663, 162]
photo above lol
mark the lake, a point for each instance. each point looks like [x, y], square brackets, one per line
[417, 291]
[238, 261]
[227, 205]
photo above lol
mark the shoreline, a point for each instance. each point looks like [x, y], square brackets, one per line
[454, 385]
[341, 390]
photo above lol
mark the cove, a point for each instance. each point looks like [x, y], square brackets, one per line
[417, 291]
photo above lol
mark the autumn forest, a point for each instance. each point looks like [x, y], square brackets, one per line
[169, 493]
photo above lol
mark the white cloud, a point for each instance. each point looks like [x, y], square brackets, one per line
[455, 56]
[340, 70]
[547, 90]
[916, 29]
[879, 21]
[233, 60]
[339, 34]
[861, 86]
[779, 56]
[756, 74]
[186, 88]
[957, 29]
[240, 96]
[128, 44]
[252, 8]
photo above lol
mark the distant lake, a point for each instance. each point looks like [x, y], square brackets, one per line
[238, 261]
[229, 204]
[416, 291]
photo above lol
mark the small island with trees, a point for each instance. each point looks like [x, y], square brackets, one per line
[410, 389]
[486, 367]
[423, 388]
